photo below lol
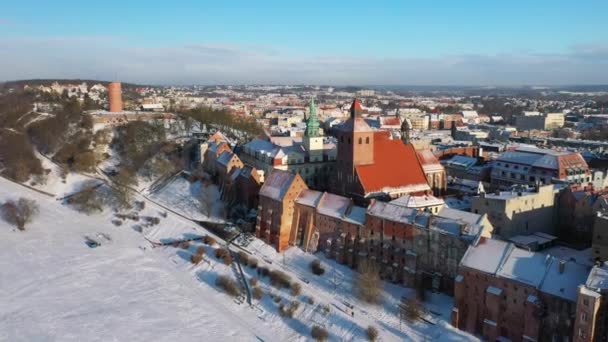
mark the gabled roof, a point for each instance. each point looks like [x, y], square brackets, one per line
[277, 184]
[309, 197]
[333, 205]
[225, 158]
[395, 169]
[428, 160]
[503, 260]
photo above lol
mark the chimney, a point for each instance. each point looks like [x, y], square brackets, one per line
[562, 266]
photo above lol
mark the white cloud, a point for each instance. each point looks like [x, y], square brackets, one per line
[111, 58]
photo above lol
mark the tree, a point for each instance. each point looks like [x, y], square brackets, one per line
[372, 333]
[367, 282]
[319, 333]
[122, 184]
[19, 213]
[88, 199]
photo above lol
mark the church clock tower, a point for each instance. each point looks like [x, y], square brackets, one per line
[313, 140]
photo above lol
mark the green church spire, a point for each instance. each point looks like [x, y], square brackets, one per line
[312, 124]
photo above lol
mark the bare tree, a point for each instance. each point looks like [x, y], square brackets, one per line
[121, 184]
[206, 199]
[88, 200]
[367, 283]
[19, 213]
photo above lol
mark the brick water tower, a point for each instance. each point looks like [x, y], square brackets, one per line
[115, 97]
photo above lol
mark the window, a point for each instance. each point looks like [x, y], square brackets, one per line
[586, 302]
[360, 140]
[367, 140]
[584, 316]
[342, 139]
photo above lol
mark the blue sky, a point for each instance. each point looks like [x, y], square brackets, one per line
[438, 42]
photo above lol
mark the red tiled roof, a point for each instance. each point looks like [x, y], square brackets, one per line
[355, 108]
[382, 135]
[426, 157]
[395, 166]
[390, 121]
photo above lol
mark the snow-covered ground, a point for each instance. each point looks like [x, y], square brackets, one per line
[182, 196]
[54, 287]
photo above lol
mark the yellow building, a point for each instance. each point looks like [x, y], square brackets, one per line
[520, 211]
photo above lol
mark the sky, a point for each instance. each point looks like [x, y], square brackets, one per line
[431, 42]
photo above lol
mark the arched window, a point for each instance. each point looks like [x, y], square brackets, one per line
[360, 140]
[342, 139]
[367, 140]
[349, 140]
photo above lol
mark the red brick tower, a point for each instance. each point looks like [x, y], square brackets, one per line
[355, 147]
[115, 97]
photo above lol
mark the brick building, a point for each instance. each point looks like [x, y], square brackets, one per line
[276, 207]
[372, 165]
[506, 293]
[320, 218]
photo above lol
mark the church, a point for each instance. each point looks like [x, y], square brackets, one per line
[372, 165]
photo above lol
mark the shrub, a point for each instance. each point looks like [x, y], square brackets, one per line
[289, 310]
[412, 309]
[117, 223]
[279, 279]
[200, 250]
[196, 258]
[243, 257]
[316, 267]
[311, 300]
[253, 281]
[319, 333]
[253, 262]
[208, 240]
[372, 333]
[296, 289]
[19, 213]
[184, 245]
[228, 285]
[224, 254]
[88, 200]
[263, 271]
[367, 282]
[257, 293]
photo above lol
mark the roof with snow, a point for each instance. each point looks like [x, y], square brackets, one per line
[333, 205]
[410, 201]
[428, 161]
[542, 271]
[225, 158]
[309, 197]
[277, 184]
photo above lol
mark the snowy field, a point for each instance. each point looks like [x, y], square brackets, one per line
[183, 197]
[55, 288]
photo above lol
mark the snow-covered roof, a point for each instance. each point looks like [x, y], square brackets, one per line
[225, 158]
[356, 215]
[548, 274]
[333, 205]
[277, 184]
[309, 197]
[410, 201]
[598, 278]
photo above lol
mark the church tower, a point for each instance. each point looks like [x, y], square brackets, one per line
[406, 127]
[313, 140]
[355, 147]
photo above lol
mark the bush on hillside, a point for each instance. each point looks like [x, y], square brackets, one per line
[228, 284]
[319, 333]
[20, 212]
